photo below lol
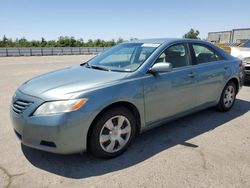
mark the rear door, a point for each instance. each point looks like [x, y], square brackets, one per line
[211, 69]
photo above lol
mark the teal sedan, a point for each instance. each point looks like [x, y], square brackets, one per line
[101, 105]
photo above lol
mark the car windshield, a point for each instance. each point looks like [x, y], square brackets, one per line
[125, 57]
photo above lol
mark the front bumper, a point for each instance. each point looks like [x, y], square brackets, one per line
[60, 133]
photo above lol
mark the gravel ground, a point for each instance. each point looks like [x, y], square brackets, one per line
[206, 149]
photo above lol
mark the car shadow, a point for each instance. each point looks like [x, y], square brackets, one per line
[145, 146]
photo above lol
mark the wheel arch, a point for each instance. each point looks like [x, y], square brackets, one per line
[131, 107]
[236, 82]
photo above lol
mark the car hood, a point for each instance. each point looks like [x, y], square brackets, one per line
[67, 82]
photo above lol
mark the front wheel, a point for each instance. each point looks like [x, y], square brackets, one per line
[112, 133]
[227, 97]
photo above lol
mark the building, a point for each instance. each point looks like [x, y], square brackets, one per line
[233, 36]
[221, 37]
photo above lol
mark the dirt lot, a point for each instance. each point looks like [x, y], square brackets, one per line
[206, 149]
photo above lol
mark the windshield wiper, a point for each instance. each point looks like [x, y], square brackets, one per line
[103, 68]
[95, 67]
[99, 67]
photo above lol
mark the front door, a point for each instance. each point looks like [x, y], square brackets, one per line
[167, 94]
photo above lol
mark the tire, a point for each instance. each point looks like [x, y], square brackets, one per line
[227, 98]
[112, 133]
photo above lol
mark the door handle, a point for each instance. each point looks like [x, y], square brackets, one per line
[226, 67]
[191, 75]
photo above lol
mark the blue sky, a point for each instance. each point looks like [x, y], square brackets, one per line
[108, 19]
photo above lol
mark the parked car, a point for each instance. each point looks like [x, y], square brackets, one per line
[243, 52]
[101, 105]
[246, 64]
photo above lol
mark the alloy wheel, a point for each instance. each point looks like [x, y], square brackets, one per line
[115, 134]
[229, 96]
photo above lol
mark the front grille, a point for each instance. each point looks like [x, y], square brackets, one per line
[20, 105]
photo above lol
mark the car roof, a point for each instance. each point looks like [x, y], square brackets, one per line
[167, 41]
[163, 40]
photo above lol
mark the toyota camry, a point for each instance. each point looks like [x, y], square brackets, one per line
[101, 105]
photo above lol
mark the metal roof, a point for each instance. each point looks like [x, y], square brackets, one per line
[162, 40]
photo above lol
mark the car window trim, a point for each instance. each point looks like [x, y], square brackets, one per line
[209, 63]
[192, 54]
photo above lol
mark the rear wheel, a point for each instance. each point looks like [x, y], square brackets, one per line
[227, 97]
[112, 133]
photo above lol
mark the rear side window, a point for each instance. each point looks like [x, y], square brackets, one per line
[205, 54]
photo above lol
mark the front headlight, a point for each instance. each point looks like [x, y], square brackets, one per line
[55, 107]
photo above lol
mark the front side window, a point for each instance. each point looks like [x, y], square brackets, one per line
[125, 57]
[177, 55]
[205, 54]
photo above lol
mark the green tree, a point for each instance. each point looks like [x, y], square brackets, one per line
[119, 40]
[132, 38]
[192, 34]
[43, 42]
[4, 42]
[23, 42]
[90, 43]
[63, 41]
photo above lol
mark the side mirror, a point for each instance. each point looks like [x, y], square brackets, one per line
[161, 68]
